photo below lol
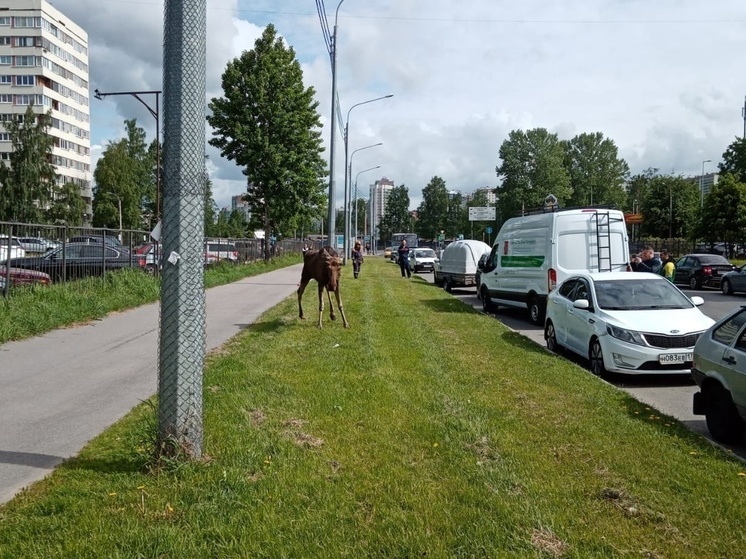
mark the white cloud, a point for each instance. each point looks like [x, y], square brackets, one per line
[663, 79]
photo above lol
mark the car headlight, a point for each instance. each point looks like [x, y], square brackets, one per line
[629, 336]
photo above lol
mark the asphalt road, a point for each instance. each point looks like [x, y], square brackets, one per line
[669, 394]
[59, 390]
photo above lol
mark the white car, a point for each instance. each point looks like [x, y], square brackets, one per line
[422, 259]
[720, 372]
[16, 248]
[625, 322]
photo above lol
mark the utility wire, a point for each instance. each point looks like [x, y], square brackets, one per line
[324, 25]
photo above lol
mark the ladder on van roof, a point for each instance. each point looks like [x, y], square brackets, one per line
[603, 222]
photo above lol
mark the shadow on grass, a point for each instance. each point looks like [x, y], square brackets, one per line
[33, 459]
[264, 327]
[117, 464]
[450, 305]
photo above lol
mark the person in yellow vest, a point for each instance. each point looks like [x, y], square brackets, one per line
[668, 269]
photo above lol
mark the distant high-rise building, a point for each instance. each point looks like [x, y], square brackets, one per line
[44, 63]
[705, 183]
[379, 194]
[238, 203]
[488, 190]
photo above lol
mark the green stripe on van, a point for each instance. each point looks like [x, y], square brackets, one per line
[521, 261]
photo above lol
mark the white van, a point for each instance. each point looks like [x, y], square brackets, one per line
[534, 253]
[457, 265]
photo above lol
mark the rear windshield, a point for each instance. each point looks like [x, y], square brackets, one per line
[713, 259]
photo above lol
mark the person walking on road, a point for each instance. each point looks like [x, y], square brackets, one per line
[403, 258]
[357, 258]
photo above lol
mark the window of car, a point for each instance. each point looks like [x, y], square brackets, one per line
[711, 259]
[640, 294]
[728, 330]
[582, 291]
[567, 288]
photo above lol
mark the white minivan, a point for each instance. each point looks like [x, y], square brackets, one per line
[533, 253]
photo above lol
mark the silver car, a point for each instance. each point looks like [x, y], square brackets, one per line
[734, 281]
[719, 369]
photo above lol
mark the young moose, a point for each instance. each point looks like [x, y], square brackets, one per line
[323, 266]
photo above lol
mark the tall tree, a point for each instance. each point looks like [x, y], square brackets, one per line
[638, 188]
[456, 210]
[67, 205]
[670, 207]
[433, 210]
[123, 176]
[396, 218]
[532, 168]
[597, 174]
[268, 124]
[26, 185]
[723, 216]
[734, 159]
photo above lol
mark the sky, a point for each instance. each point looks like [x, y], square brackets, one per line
[665, 80]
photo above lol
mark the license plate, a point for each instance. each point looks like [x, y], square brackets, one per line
[674, 358]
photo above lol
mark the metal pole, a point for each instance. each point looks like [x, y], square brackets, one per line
[356, 177]
[332, 184]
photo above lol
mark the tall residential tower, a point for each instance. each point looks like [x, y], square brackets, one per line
[44, 63]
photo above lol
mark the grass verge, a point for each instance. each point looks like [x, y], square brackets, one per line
[427, 429]
[34, 310]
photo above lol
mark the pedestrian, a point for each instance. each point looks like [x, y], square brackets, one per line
[668, 268]
[646, 261]
[403, 258]
[357, 258]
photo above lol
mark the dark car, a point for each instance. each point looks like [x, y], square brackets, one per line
[78, 260]
[698, 270]
[480, 267]
[734, 281]
[108, 239]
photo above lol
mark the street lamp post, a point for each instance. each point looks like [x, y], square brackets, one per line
[701, 187]
[348, 215]
[156, 114]
[332, 184]
[347, 187]
[356, 176]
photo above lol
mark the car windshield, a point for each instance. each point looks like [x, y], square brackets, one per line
[637, 294]
[424, 253]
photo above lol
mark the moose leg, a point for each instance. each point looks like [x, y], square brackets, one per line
[321, 303]
[341, 308]
[331, 307]
[301, 289]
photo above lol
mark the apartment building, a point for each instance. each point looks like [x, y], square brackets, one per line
[44, 63]
[379, 194]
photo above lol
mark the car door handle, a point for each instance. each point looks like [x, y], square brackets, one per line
[730, 360]
[591, 321]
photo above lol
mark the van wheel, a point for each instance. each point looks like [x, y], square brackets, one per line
[487, 304]
[447, 285]
[596, 357]
[551, 337]
[535, 311]
[723, 421]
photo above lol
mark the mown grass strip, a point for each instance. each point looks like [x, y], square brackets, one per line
[427, 429]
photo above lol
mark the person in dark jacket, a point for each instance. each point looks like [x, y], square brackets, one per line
[646, 261]
[403, 258]
[357, 258]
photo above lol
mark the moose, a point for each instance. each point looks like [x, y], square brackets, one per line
[324, 266]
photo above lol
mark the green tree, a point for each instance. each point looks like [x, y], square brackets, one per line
[433, 210]
[26, 184]
[724, 212]
[124, 174]
[597, 174]
[638, 188]
[532, 168]
[734, 160]
[670, 207]
[67, 205]
[396, 217]
[268, 124]
[455, 213]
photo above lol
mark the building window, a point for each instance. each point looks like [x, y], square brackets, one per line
[6, 60]
[6, 80]
[25, 80]
[5, 41]
[5, 20]
[6, 98]
[4, 137]
[26, 22]
[25, 61]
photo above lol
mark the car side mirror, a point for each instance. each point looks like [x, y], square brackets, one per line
[581, 304]
[697, 300]
[480, 265]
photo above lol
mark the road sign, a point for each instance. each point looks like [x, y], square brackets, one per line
[482, 214]
[489, 230]
[441, 237]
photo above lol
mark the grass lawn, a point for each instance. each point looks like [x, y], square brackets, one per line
[425, 430]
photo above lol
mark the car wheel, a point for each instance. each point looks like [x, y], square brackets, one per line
[726, 287]
[551, 337]
[487, 304]
[596, 357]
[436, 279]
[447, 285]
[694, 283]
[723, 421]
[535, 311]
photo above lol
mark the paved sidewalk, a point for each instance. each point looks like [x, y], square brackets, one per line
[61, 389]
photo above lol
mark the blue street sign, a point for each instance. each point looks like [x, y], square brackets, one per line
[489, 230]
